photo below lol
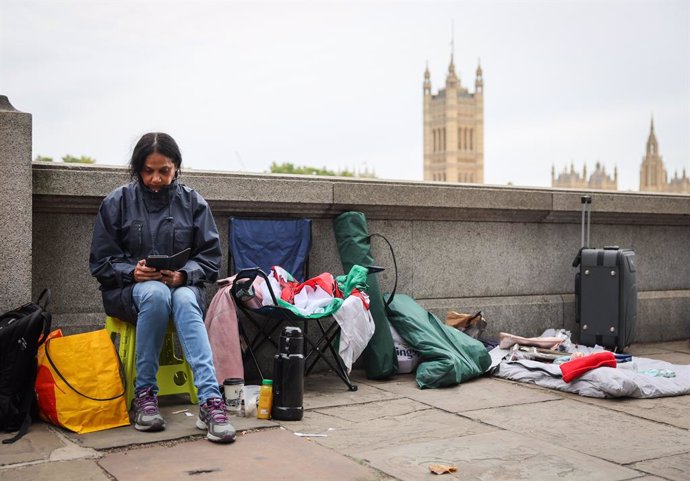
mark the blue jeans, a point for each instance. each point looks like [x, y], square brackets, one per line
[156, 304]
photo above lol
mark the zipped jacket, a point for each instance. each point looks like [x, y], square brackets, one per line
[134, 222]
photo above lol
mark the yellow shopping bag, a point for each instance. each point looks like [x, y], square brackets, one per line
[79, 383]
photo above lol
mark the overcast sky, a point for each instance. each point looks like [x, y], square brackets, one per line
[339, 84]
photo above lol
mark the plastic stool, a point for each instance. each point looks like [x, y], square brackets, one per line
[174, 374]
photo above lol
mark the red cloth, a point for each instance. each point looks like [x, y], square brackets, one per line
[577, 367]
[325, 281]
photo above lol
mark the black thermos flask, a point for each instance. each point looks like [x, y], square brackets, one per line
[288, 376]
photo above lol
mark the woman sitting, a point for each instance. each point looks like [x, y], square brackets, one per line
[155, 214]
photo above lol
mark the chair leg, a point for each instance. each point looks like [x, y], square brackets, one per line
[250, 350]
[265, 333]
[318, 350]
[342, 369]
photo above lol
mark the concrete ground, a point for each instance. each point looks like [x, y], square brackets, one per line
[488, 428]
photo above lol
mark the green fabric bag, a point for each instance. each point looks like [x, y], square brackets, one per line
[352, 237]
[449, 356]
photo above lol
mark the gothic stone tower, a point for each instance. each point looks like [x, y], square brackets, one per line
[652, 171]
[454, 130]
[653, 175]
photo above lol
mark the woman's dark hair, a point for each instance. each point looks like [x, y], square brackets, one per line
[154, 142]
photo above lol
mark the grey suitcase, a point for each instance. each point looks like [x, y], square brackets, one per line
[605, 291]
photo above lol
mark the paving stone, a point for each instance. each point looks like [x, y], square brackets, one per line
[83, 470]
[491, 428]
[328, 390]
[178, 426]
[680, 346]
[668, 410]
[315, 422]
[646, 350]
[676, 468]
[672, 357]
[386, 423]
[273, 454]
[366, 412]
[607, 434]
[36, 445]
[478, 393]
[72, 452]
[650, 478]
[498, 455]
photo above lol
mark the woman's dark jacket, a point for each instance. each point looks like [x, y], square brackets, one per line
[134, 222]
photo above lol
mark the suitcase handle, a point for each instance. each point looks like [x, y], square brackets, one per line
[586, 208]
[586, 218]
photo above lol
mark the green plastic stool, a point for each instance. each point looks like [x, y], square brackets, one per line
[174, 374]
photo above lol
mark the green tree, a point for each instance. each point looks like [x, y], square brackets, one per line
[290, 168]
[43, 158]
[70, 159]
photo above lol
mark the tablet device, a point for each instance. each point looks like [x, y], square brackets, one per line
[171, 263]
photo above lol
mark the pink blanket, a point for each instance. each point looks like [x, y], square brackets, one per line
[223, 334]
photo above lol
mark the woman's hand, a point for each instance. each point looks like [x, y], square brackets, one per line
[173, 278]
[142, 273]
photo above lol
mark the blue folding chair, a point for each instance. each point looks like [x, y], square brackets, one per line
[265, 243]
[255, 246]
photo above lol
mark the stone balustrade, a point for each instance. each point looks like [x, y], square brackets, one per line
[505, 250]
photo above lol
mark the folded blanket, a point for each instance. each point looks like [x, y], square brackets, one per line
[629, 379]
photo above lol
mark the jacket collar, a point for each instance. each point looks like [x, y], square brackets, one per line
[156, 201]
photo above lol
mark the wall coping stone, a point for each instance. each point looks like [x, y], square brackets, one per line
[59, 187]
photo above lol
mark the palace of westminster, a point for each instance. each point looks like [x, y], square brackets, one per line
[454, 144]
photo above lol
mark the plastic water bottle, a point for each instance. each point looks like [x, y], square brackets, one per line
[288, 374]
[265, 399]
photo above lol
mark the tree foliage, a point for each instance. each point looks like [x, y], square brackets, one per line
[43, 158]
[70, 159]
[290, 168]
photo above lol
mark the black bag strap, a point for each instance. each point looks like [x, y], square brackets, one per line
[46, 318]
[395, 266]
[242, 287]
[43, 299]
[27, 399]
[57, 371]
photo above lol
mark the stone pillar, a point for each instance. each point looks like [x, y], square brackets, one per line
[15, 206]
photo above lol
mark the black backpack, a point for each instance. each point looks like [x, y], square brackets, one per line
[22, 330]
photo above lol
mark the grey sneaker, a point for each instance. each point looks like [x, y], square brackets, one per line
[146, 415]
[212, 416]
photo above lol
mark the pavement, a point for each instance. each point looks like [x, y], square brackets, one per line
[488, 428]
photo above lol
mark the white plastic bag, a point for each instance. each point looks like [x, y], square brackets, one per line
[408, 358]
[249, 398]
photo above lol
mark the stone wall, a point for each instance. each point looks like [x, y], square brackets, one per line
[15, 206]
[505, 250]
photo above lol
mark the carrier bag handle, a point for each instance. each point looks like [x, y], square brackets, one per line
[395, 266]
[57, 371]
